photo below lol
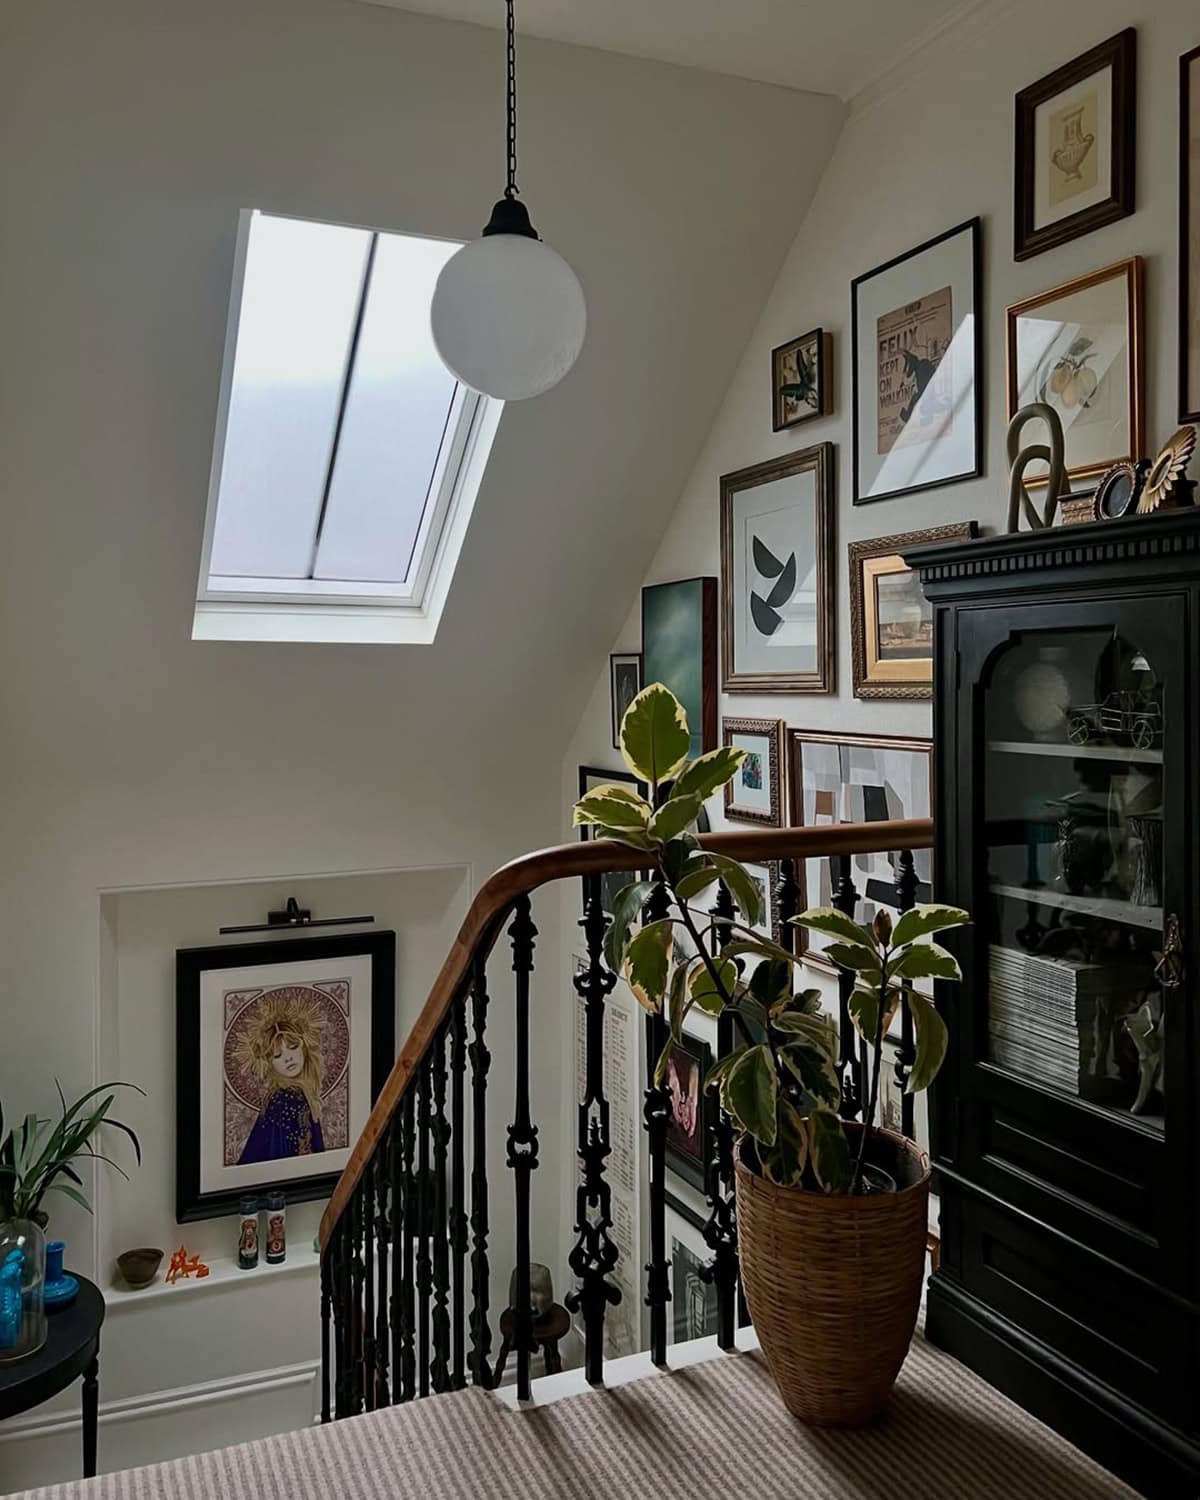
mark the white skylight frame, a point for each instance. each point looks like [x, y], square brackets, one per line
[246, 608]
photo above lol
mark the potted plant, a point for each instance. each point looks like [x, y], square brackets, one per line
[37, 1157]
[832, 1215]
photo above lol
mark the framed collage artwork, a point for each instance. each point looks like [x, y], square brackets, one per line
[281, 1048]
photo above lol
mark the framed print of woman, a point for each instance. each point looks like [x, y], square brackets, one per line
[281, 1049]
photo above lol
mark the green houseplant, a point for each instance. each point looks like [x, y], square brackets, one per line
[848, 1201]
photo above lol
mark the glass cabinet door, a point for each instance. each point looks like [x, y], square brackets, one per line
[1073, 762]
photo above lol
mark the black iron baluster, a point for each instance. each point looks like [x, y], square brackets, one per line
[720, 1229]
[439, 1368]
[458, 1217]
[356, 1300]
[410, 1228]
[522, 1140]
[424, 1215]
[656, 1112]
[383, 1240]
[481, 1061]
[366, 1188]
[398, 1214]
[851, 1069]
[595, 1253]
[339, 1251]
[907, 886]
[326, 1306]
[787, 903]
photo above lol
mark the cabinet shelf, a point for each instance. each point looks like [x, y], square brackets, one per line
[1077, 752]
[1150, 917]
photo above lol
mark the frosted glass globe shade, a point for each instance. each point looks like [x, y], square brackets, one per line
[508, 316]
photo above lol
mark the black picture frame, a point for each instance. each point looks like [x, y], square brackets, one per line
[606, 886]
[822, 346]
[974, 228]
[1189, 400]
[689, 1161]
[616, 661]
[191, 964]
[1120, 54]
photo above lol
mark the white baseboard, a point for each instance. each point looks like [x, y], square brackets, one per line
[38, 1449]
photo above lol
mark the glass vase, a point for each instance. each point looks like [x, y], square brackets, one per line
[22, 1289]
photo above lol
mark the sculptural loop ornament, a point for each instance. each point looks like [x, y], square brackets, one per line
[1019, 499]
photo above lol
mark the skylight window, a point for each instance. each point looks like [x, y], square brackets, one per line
[347, 457]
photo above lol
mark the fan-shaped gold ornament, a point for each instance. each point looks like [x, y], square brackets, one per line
[1168, 467]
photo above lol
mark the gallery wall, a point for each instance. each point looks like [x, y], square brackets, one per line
[145, 778]
[927, 147]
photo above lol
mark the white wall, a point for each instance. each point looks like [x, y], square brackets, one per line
[928, 147]
[133, 758]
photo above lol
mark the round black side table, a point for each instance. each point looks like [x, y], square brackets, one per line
[72, 1348]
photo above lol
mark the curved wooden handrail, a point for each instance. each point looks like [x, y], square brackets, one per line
[495, 899]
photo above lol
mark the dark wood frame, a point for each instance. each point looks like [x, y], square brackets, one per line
[613, 658]
[824, 379]
[190, 963]
[888, 546]
[975, 228]
[682, 1165]
[1187, 62]
[1132, 269]
[1120, 54]
[820, 459]
[772, 731]
[708, 653]
[797, 737]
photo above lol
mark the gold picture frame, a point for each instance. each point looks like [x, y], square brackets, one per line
[905, 668]
[757, 792]
[1092, 378]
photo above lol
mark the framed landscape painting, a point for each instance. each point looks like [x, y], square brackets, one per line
[916, 343]
[281, 1048]
[845, 779]
[1189, 236]
[891, 621]
[777, 521]
[1075, 147]
[679, 649]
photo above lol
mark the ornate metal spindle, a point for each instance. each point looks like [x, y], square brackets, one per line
[481, 1060]
[383, 1241]
[356, 1301]
[439, 1368]
[424, 1215]
[595, 1253]
[400, 1290]
[340, 1249]
[720, 1229]
[907, 885]
[522, 1140]
[458, 1216]
[410, 1228]
[326, 1307]
[366, 1190]
[787, 903]
[656, 1112]
[850, 1063]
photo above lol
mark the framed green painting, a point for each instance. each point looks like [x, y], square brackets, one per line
[679, 649]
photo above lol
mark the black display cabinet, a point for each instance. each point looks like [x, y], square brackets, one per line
[1064, 1123]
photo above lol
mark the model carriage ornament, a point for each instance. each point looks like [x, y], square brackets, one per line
[1132, 715]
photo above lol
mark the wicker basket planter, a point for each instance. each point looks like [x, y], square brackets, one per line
[833, 1283]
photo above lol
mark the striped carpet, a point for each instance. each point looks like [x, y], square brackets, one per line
[712, 1430]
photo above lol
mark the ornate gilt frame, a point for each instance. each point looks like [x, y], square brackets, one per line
[772, 730]
[911, 678]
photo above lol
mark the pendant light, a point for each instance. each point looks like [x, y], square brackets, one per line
[508, 315]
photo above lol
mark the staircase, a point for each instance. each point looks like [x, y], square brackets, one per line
[406, 1252]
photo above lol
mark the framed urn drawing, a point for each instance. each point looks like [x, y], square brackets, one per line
[1075, 147]
[281, 1048]
[916, 346]
[838, 778]
[801, 379]
[891, 622]
[1078, 347]
[1189, 237]
[755, 793]
[777, 522]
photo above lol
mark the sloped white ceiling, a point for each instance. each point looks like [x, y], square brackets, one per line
[831, 46]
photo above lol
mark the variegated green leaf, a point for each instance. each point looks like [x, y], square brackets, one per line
[677, 1001]
[741, 887]
[721, 1067]
[832, 923]
[708, 773]
[771, 982]
[696, 880]
[627, 908]
[749, 1091]
[646, 961]
[863, 1006]
[760, 947]
[829, 1152]
[856, 956]
[932, 1040]
[654, 735]
[926, 960]
[785, 1164]
[815, 1071]
[613, 806]
[707, 993]
[923, 920]
[674, 816]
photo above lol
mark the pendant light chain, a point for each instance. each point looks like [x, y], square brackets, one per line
[511, 190]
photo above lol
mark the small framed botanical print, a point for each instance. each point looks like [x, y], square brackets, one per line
[281, 1048]
[1075, 147]
[916, 345]
[1078, 349]
[755, 795]
[777, 523]
[802, 379]
[1189, 236]
[624, 684]
[891, 622]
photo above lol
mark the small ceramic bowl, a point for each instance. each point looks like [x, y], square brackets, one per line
[138, 1268]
